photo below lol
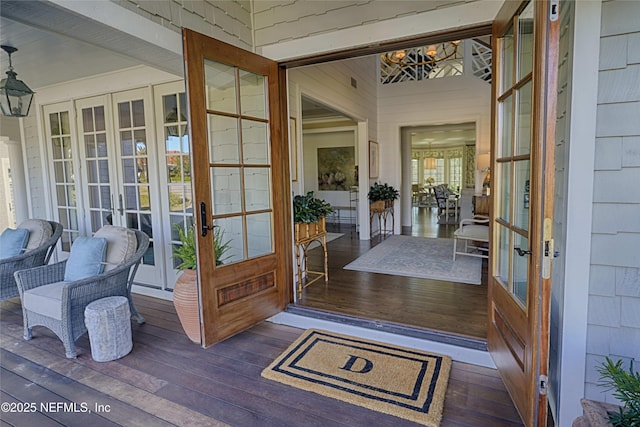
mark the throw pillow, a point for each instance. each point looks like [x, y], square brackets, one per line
[13, 242]
[86, 258]
[39, 232]
[121, 245]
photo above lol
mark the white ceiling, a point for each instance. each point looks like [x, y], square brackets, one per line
[56, 45]
[45, 58]
[446, 134]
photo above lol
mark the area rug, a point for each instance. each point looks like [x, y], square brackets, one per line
[403, 382]
[419, 257]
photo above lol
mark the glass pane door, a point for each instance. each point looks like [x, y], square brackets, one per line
[137, 196]
[58, 125]
[175, 168]
[514, 156]
[240, 160]
[95, 148]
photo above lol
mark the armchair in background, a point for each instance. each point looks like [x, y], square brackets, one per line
[475, 230]
[41, 242]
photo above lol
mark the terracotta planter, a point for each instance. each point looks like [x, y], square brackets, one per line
[185, 301]
[595, 414]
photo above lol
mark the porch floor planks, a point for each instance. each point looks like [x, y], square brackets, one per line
[173, 381]
[31, 418]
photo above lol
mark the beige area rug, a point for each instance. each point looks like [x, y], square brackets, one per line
[403, 382]
[419, 257]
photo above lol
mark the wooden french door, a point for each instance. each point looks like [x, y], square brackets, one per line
[241, 184]
[525, 43]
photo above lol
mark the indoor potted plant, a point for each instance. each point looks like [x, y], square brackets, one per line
[382, 196]
[309, 215]
[185, 291]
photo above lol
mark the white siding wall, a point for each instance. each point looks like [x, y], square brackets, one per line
[34, 171]
[614, 288]
[278, 21]
[447, 100]
[226, 20]
[330, 83]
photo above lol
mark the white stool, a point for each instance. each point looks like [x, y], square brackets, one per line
[108, 321]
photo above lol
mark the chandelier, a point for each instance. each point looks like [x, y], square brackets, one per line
[15, 95]
[425, 55]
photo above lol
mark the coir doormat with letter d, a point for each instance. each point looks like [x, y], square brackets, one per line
[404, 382]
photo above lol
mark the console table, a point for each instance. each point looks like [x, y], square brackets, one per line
[381, 208]
[305, 234]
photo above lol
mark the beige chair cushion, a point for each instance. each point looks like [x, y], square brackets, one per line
[39, 232]
[121, 245]
[45, 300]
[473, 232]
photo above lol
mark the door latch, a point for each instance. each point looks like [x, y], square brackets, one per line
[204, 228]
[522, 252]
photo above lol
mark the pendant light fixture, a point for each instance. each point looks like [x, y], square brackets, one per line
[15, 95]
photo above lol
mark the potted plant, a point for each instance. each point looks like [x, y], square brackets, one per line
[626, 387]
[309, 215]
[382, 196]
[185, 291]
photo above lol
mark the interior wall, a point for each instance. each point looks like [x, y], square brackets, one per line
[449, 100]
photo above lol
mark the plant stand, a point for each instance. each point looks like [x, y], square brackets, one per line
[305, 234]
[382, 209]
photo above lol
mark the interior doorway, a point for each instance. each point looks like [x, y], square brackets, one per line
[442, 308]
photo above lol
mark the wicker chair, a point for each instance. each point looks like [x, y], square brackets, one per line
[75, 296]
[33, 258]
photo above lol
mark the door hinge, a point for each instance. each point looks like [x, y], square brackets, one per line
[543, 385]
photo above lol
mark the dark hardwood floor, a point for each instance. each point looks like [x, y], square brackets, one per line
[166, 380]
[453, 308]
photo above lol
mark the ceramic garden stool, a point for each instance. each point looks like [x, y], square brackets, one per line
[108, 321]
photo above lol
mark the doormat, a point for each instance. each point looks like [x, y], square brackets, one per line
[422, 257]
[403, 382]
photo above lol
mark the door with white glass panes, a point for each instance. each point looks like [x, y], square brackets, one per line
[174, 158]
[117, 145]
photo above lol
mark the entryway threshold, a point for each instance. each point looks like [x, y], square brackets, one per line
[462, 349]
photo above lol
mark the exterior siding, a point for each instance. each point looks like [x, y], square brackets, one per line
[35, 174]
[278, 21]
[226, 20]
[614, 288]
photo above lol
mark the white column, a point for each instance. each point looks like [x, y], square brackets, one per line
[20, 201]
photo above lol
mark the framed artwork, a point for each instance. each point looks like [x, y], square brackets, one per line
[336, 168]
[293, 143]
[373, 159]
